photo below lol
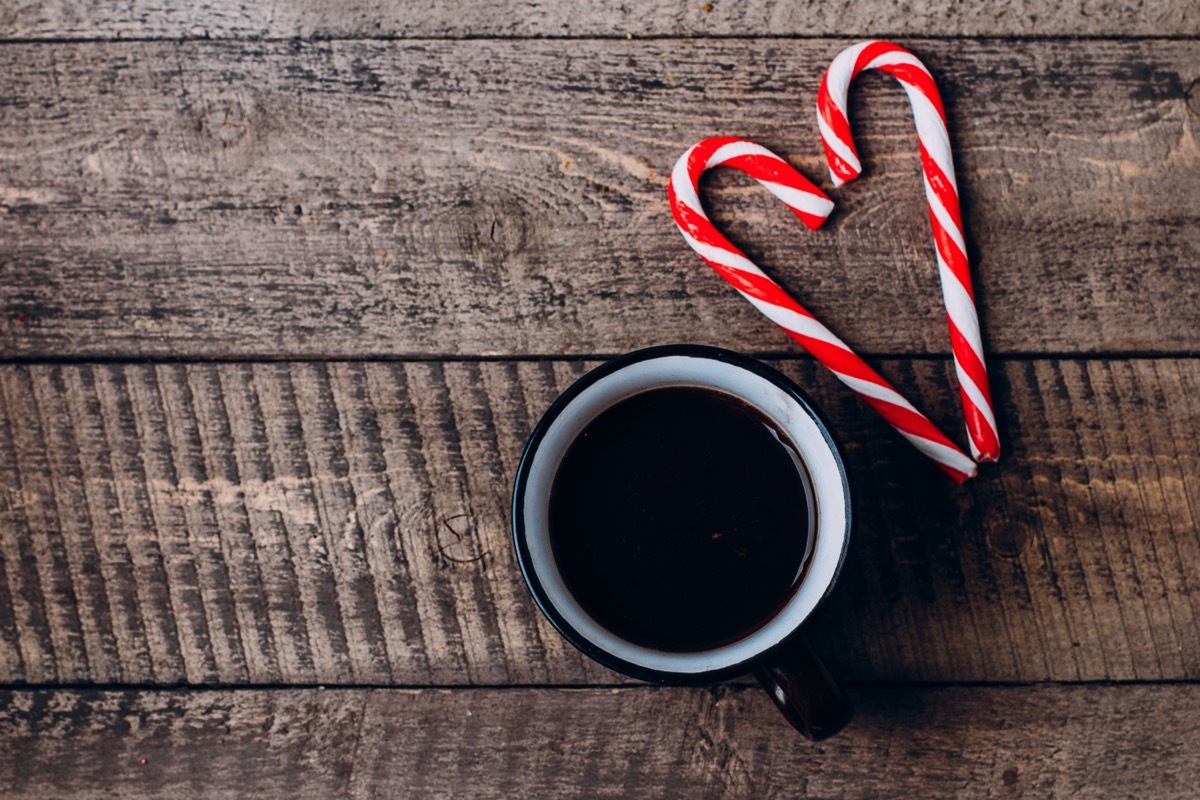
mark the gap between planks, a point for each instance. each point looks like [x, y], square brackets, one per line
[738, 683]
[900, 38]
[534, 358]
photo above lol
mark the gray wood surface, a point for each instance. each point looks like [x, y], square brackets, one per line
[275, 199]
[52, 19]
[348, 523]
[1047, 742]
[284, 287]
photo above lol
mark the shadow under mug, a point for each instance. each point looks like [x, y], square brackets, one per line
[776, 652]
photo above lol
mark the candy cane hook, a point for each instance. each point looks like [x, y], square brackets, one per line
[941, 192]
[812, 207]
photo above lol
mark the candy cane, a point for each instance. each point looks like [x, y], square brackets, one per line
[941, 192]
[812, 207]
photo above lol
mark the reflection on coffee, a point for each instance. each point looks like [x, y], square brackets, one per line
[680, 519]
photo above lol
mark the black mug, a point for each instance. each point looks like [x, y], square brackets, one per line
[776, 652]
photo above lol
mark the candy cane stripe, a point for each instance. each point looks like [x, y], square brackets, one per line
[952, 460]
[761, 288]
[945, 224]
[719, 257]
[978, 400]
[971, 365]
[960, 308]
[965, 339]
[812, 206]
[812, 210]
[724, 149]
[798, 323]
[843, 161]
[939, 178]
[945, 215]
[871, 389]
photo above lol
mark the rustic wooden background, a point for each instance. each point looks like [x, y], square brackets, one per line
[284, 287]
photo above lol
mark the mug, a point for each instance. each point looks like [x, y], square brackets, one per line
[776, 652]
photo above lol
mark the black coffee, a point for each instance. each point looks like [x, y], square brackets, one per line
[679, 519]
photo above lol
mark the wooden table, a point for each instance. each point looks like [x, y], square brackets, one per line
[284, 288]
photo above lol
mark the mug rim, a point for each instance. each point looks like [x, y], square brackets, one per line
[524, 556]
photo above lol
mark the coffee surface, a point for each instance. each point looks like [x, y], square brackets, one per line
[679, 519]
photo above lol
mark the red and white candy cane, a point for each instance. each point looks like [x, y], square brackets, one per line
[812, 207]
[941, 192]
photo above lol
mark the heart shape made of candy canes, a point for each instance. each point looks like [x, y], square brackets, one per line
[812, 206]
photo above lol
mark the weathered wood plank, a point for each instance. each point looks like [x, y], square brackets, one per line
[353, 198]
[1038, 742]
[363, 18]
[346, 523]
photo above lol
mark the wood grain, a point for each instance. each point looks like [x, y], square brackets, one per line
[346, 523]
[1037, 742]
[371, 19]
[277, 199]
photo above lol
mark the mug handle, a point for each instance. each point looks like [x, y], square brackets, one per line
[805, 691]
